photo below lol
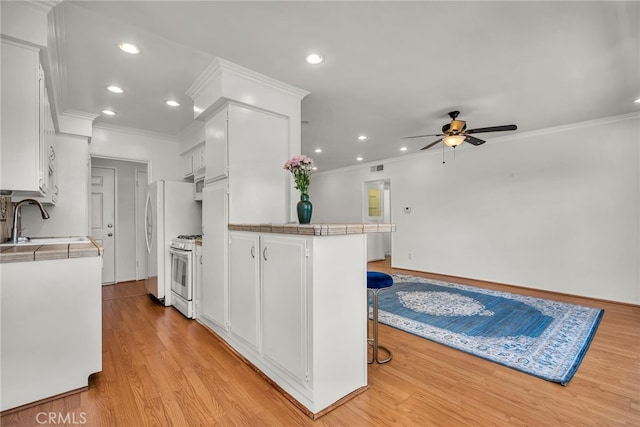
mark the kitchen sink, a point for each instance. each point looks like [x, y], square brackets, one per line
[49, 241]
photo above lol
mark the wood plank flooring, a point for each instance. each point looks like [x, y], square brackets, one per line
[160, 369]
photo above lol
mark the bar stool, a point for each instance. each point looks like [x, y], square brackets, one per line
[375, 282]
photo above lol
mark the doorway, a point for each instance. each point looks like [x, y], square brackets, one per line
[128, 250]
[376, 209]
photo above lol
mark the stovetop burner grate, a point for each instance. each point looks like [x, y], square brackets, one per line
[189, 236]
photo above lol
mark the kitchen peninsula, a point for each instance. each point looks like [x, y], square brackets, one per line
[296, 308]
[51, 318]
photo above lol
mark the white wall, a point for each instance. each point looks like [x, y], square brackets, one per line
[162, 152]
[557, 210]
[69, 217]
[125, 226]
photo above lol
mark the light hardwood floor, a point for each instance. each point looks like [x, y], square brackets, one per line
[164, 370]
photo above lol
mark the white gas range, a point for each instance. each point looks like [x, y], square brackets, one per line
[183, 273]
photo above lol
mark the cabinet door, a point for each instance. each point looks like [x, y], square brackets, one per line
[244, 287]
[214, 296]
[199, 159]
[258, 149]
[187, 164]
[22, 89]
[284, 303]
[197, 290]
[216, 147]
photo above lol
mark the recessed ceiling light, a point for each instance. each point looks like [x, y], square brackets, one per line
[315, 168]
[359, 159]
[318, 150]
[173, 103]
[403, 148]
[115, 89]
[314, 59]
[109, 112]
[637, 101]
[129, 48]
[363, 137]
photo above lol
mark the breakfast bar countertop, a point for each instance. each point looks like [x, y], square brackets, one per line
[25, 252]
[315, 229]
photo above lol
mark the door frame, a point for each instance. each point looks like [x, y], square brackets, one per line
[387, 212]
[141, 250]
[136, 224]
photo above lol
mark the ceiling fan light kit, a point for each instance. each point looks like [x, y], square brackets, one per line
[456, 132]
[453, 140]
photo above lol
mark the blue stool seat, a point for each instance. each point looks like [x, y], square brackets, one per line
[377, 281]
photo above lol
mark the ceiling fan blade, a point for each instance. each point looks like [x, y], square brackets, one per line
[474, 141]
[492, 129]
[431, 145]
[421, 136]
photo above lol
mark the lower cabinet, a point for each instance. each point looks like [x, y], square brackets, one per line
[244, 289]
[296, 309]
[284, 304]
[267, 298]
[211, 303]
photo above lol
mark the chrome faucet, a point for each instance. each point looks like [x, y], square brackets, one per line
[15, 231]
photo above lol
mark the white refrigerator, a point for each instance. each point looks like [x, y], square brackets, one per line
[170, 210]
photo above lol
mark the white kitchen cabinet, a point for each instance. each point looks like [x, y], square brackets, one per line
[197, 292]
[212, 305]
[187, 164]
[298, 311]
[199, 160]
[258, 148]
[48, 158]
[23, 150]
[244, 288]
[216, 147]
[284, 304]
[249, 147]
[194, 161]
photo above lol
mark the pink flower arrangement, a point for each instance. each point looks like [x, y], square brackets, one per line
[300, 166]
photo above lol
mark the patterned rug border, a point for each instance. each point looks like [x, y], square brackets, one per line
[551, 356]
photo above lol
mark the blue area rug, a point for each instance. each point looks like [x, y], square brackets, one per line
[544, 338]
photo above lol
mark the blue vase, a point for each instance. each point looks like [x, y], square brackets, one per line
[304, 208]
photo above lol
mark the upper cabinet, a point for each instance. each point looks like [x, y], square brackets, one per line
[194, 161]
[28, 149]
[216, 132]
[23, 105]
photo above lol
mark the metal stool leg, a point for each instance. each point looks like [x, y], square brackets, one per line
[374, 341]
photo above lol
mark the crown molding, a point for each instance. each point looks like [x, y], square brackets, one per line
[136, 131]
[222, 65]
[43, 5]
[56, 56]
[545, 131]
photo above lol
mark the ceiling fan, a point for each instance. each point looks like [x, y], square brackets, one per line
[456, 132]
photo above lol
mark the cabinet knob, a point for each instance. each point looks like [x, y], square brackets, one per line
[253, 252]
[264, 253]
[110, 234]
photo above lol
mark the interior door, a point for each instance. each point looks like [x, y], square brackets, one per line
[103, 218]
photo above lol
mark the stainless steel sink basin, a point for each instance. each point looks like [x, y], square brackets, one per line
[50, 241]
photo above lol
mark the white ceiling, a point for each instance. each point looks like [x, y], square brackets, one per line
[391, 69]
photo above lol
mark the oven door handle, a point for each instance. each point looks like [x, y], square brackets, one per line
[177, 251]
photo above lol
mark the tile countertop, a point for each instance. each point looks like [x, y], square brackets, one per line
[36, 252]
[315, 229]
